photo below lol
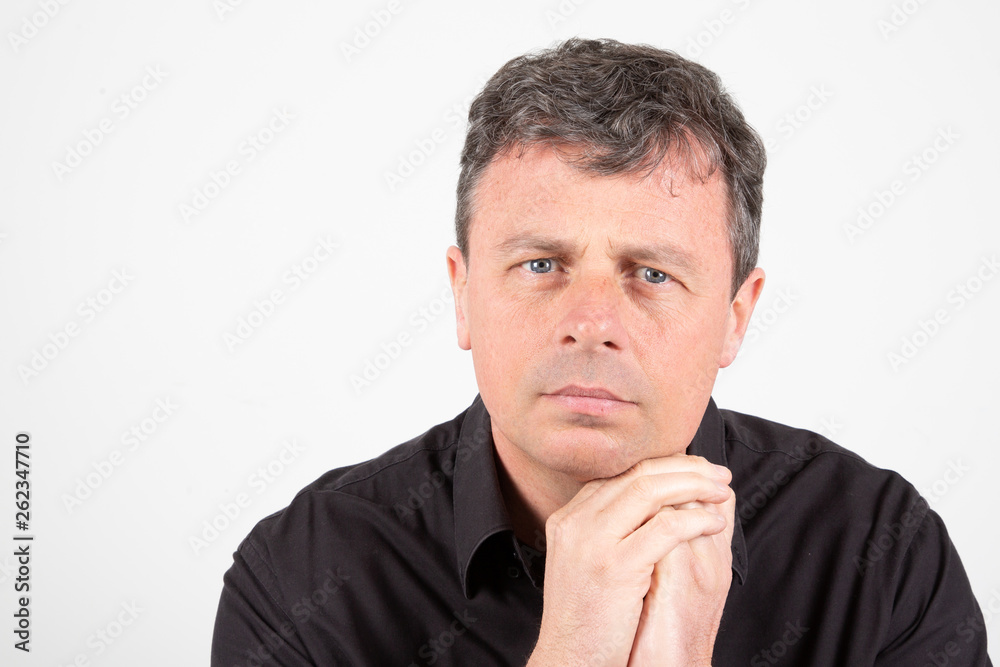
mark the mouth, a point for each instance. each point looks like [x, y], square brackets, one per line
[586, 392]
[588, 400]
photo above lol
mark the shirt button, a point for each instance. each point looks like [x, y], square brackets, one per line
[513, 572]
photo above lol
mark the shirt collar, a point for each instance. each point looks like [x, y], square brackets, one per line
[479, 507]
[710, 442]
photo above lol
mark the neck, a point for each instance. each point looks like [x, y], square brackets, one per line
[530, 492]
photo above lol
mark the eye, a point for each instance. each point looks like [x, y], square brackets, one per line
[544, 265]
[651, 275]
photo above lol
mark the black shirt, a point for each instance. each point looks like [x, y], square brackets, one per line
[410, 559]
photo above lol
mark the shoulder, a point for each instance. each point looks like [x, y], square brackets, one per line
[749, 437]
[774, 461]
[373, 479]
[363, 502]
[752, 435]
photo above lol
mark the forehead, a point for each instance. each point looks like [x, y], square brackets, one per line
[538, 192]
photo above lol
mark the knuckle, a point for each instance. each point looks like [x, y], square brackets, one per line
[553, 528]
[639, 468]
[600, 564]
[561, 528]
[664, 520]
[701, 461]
[643, 488]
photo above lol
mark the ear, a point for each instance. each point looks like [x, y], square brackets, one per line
[459, 276]
[738, 318]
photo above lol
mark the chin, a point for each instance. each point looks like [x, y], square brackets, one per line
[586, 458]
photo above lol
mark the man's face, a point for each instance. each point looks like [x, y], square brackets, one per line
[579, 282]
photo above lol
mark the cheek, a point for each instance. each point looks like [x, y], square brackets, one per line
[679, 350]
[506, 315]
[506, 333]
[669, 333]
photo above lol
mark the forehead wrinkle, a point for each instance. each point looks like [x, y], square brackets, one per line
[530, 240]
[664, 254]
[548, 206]
[630, 219]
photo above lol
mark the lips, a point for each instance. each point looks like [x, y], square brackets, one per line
[587, 392]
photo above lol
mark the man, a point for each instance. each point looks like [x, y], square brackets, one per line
[583, 509]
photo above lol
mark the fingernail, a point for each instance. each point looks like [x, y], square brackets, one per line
[722, 470]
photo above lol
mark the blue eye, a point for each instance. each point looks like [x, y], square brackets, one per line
[545, 265]
[652, 275]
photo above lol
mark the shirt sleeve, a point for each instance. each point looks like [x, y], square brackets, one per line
[251, 627]
[935, 617]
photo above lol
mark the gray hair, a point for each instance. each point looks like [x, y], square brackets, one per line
[628, 106]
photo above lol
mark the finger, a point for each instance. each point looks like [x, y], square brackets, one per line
[729, 511]
[721, 542]
[642, 497]
[659, 466]
[661, 534]
[697, 504]
[694, 504]
[678, 463]
[586, 492]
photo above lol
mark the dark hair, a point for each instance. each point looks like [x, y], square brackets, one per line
[628, 106]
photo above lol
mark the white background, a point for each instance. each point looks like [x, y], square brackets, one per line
[823, 363]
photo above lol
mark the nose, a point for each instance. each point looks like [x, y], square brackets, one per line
[590, 317]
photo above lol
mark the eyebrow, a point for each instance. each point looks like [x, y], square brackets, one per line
[657, 254]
